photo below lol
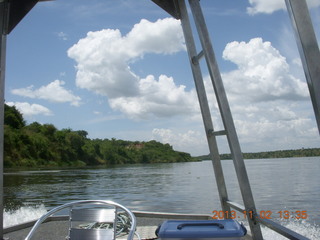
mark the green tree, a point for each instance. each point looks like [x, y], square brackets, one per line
[43, 145]
[12, 117]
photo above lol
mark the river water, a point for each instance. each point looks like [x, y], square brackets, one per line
[279, 186]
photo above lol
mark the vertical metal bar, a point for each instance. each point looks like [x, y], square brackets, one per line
[226, 116]
[204, 106]
[308, 48]
[3, 28]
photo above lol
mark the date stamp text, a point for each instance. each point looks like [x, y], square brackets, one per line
[283, 214]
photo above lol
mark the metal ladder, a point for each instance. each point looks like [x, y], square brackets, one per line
[298, 12]
[229, 131]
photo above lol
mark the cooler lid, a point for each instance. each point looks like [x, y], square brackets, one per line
[201, 229]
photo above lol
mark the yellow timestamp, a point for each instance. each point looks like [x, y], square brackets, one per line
[264, 214]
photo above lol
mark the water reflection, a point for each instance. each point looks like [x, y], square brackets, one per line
[177, 187]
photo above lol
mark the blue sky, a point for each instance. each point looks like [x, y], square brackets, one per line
[119, 69]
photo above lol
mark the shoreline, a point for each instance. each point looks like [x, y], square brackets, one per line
[55, 168]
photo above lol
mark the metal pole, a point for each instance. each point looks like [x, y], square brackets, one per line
[204, 106]
[308, 48]
[226, 117]
[3, 27]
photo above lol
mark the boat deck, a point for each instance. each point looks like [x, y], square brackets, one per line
[57, 228]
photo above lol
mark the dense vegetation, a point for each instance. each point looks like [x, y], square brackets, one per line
[304, 152]
[43, 145]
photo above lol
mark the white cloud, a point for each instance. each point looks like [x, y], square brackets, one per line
[271, 107]
[266, 99]
[53, 92]
[63, 36]
[162, 37]
[103, 66]
[297, 61]
[161, 98]
[265, 6]
[194, 141]
[277, 134]
[270, 6]
[262, 74]
[28, 109]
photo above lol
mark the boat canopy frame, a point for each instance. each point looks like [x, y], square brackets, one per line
[13, 11]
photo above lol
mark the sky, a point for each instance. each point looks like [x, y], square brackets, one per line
[119, 69]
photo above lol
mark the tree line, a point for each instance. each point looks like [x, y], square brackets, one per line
[43, 145]
[304, 152]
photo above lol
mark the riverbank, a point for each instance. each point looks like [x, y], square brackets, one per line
[43, 145]
[303, 152]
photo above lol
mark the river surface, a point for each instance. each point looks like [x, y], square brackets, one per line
[279, 186]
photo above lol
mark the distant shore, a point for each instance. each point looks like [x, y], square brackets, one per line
[303, 152]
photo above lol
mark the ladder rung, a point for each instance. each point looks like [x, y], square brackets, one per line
[236, 206]
[196, 59]
[218, 133]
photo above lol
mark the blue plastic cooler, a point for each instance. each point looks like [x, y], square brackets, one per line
[201, 230]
